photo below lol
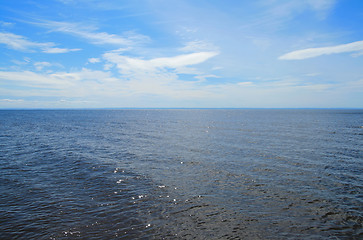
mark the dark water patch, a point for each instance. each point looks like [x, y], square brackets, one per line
[62, 195]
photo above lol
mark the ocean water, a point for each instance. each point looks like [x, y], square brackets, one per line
[181, 174]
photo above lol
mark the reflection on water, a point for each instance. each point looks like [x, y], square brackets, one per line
[181, 174]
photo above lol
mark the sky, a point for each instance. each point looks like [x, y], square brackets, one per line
[181, 54]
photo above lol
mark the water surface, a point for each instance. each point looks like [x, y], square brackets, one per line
[181, 174]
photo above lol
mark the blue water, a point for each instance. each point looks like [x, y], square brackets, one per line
[181, 174]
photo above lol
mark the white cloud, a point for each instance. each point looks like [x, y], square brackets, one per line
[357, 54]
[101, 89]
[182, 60]
[40, 65]
[85, 84]
[203, 78]
[6, 24]
[291, 7]
[94, 60]
[315, 52]
[246, 84]
[128, 64]
[20, 43]
[276, 14]
[312, 74]
[198, 45]
[160, 76]
[60, 50]
[31, 79]
[90, 33]
[321, 5]
[108, 66]
[25, 61]
[57, 80]
[85, 75]
[11, 100]
[354, 86]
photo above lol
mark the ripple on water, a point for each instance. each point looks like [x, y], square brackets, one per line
[256, 174]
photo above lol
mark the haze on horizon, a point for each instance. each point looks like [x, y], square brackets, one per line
[181, 54]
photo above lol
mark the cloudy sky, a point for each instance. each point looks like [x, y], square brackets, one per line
[181, 53]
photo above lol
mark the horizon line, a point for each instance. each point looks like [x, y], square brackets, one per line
[189, 108]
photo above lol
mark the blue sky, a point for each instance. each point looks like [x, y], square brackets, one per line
[166, 53]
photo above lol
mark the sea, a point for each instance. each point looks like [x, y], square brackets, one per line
[181, 174]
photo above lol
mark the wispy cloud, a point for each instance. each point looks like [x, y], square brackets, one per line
[11, 100]
[6, 24]
[40, 65]
[21, 43]
[18, 42]
[91, 34]
[101, 87]
[60, 50]
[85, 82]
[94, 60]
[160, 76]
[315, 52]
[276, 14]
[128, 64]
[198, 45]
[288, 8]
[321, 6]
[31, 79]
[89, 83]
